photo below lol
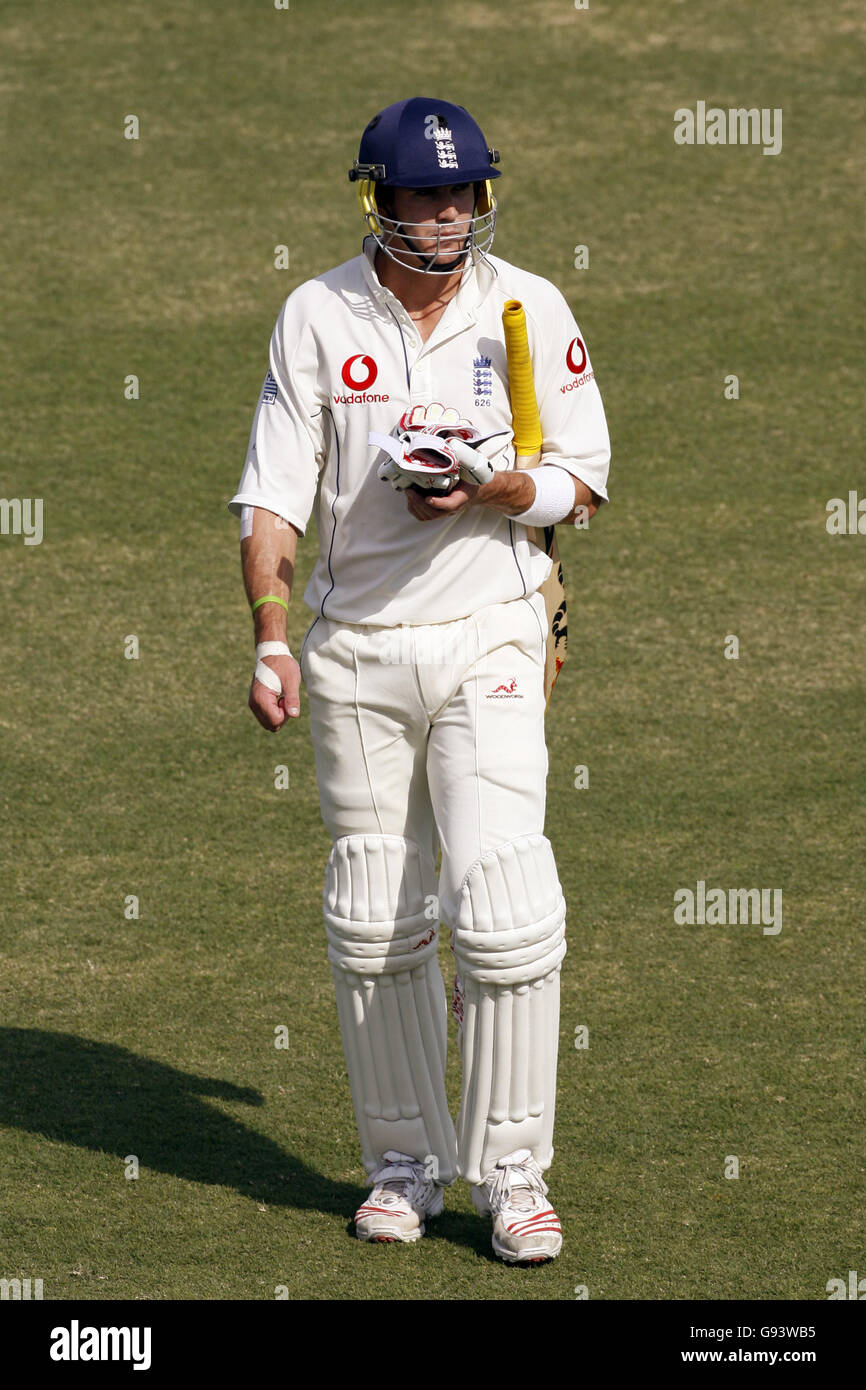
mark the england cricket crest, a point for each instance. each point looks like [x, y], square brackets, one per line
[482, 380]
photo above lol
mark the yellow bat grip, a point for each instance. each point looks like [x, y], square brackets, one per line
[528, 438]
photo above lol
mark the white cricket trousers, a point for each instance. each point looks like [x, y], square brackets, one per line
[427, 737]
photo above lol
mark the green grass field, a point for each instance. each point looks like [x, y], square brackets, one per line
[155, 1037]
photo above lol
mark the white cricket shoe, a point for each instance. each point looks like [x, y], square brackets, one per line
[526, 1229]
[401, 1198]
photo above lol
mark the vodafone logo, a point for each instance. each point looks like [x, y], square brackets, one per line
[359, 378]
[575, 346]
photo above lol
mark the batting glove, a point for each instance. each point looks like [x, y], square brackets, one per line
[431, 447]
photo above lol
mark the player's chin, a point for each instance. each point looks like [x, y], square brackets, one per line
[444, 260]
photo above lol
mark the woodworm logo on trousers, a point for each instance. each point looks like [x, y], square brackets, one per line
[506, 690]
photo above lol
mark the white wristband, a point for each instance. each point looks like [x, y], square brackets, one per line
[265, 674]
[271, 649]
[554, 496]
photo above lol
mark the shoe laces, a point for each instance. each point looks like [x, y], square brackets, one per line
[403, 1176]
[518, 1185]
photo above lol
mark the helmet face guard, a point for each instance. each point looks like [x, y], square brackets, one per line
[466, 239]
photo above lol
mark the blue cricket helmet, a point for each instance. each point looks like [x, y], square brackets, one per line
[424, 142]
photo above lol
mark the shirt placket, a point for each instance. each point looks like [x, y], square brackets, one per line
[433, 383]
[422, 379]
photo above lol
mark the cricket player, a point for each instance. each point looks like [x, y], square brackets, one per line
[386, 413]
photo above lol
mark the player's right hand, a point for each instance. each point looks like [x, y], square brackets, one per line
[270, 709]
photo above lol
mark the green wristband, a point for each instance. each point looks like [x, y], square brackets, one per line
[269, 598]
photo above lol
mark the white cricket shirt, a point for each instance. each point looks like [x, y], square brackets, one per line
[346, 358]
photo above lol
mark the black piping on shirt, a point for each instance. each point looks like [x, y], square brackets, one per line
[333, 513]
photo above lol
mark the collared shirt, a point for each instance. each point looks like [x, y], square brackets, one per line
[346, 358]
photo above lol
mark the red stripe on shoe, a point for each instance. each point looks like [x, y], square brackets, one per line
[538, 1216]
[532, 1222]
[386, 1211]
[530, 1231]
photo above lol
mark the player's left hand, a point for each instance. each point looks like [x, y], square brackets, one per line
[426, 506]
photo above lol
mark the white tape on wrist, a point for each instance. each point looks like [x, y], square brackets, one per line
[265, 674]
[554, 496]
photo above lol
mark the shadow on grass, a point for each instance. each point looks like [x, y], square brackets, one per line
[468, 1229]
[105, 1098]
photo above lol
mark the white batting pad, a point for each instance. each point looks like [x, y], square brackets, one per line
[382, 922]
[509, 941]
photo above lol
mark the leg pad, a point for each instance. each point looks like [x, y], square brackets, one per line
[509, 942]
[382, 924]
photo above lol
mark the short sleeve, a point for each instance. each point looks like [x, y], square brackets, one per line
[569, 402]
[286, 449]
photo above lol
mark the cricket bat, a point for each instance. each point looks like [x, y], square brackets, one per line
[528, 441]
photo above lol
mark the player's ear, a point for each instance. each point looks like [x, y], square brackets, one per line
[385, 201]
